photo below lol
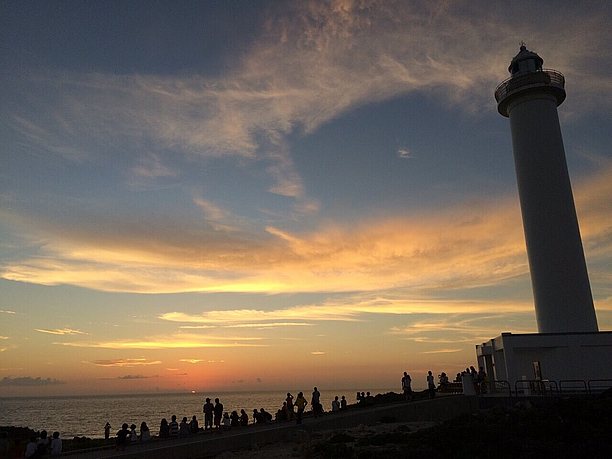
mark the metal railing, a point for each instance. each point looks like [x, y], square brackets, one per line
[536, 387]
[597, 386]
[546, 77]
[573, 386]
[501, 385]
[542, 388]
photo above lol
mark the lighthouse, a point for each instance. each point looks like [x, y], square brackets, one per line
[568, 348]
[559, 278]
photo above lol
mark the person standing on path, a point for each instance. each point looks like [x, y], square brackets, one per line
[431, 385]
[290, 411]
[301, 403]
[218, 412]
[316, 402]
[406, 386]
[208, 409]
[107, 429]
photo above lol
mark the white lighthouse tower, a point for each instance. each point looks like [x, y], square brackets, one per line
[561, 288]
[568, 346]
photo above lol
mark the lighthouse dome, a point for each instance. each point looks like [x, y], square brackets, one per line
[525, 62]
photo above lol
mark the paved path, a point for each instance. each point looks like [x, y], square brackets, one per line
[209, 444]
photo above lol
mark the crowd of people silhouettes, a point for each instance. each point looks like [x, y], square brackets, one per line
[292, 409]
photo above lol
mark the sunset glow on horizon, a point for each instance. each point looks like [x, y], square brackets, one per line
[275, 195]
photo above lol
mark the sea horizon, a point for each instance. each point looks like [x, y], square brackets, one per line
[65, 414]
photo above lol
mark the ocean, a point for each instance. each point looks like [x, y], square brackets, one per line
[86, 415]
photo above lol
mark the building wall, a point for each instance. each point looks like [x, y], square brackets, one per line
[562, 356]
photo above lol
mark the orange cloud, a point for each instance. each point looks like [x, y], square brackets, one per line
[124, 362]
[474, 245]
[171, 342]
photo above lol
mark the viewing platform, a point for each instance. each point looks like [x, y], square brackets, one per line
[547, 80]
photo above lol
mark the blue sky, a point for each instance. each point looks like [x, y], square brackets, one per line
[230, 183]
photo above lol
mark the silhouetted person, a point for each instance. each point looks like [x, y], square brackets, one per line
[164, 429]
[218, 413]
[431, 385]
[315, 402]
[174, 427]
[289, 401]
[31, 447]
[193, 425]
[257, 419]
[122, 437]
[343, 403]
[443, 380]
[43, 444]
[145, 433]
[267, 417]
[56, 445]
[133, 433]
[300, 403]
[208, 410]
[482, 380]
[335, 404]
[107, 429]
[235, 419]
[474, 375]
[184, 429]
[244, 418]
[407, 386]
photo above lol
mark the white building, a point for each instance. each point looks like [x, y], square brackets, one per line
[558, 357]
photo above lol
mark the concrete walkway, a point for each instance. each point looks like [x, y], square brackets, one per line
[210, 444]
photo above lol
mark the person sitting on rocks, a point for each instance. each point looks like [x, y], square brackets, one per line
[184, 429]
[235, 419]
[267, 417]
[193, 425]
[244, 418]
[335, 404]
[226, 421]
[122, 437]
[133, 433]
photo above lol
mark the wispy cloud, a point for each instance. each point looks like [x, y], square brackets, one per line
[264, 325]
[130, 377]
[442, 351]
[363, 52]
[124, 362]
[3, 311]
[60, 331]
[171, 342]
[191, 360]
[404, 153]
[151, 166]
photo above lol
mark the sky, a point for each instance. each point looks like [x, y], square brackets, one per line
[250, 195]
